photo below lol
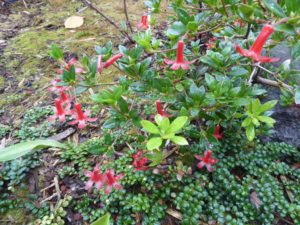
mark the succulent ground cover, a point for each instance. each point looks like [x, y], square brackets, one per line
[176, 136]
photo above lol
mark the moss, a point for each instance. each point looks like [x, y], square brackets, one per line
[2, 80]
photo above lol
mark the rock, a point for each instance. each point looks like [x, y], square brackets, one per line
[287, 118]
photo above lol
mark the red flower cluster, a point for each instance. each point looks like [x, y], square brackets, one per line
[63, 106]
[107, 179]
[139, 162]
[256, 49]
[207, 161]
[160, 111]
[179, 62]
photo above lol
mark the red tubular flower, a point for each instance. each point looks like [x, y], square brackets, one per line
[160, 111]
[143, 25]
[139, 161]
[179, 62]
[255, 50]
[81, 118]
[112, 180]
[113, 59]
[206, 161]
[95, 177]
[217, 133]
[59, 112]
[56, 88]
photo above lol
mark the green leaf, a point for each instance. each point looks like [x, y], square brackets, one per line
[296, 49]
[149, 127]
[56, 52]
[274, 8]
[237, 71]
[267, 106]
[158, 119]
[123, 105]
[293, 6]
[179, 140]
[266, 119]
[104, 220]
[18, 150]
[192, 26]
[165, 123]
[247, 122]
[245, 11]
[176, 29]
[177, 124]
[183, 16]
[297, 95]
[156, 158]
[250, 132]
[154, 143]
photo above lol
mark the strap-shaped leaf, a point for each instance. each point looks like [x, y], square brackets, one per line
[18, 150]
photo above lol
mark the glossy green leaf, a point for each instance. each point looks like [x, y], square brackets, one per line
[274, 8]
[177, 124]
[250, 132]
[154, 143]
[245, 11]
[18, 150]
[179, 140]
[149, 127]
[104, 220]
[266, 119]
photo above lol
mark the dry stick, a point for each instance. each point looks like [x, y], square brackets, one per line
[126, 14]
[211, 29]
[253, 75]
[89, 4]
[274, 83]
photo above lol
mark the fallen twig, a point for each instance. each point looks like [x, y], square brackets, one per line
[274, 83]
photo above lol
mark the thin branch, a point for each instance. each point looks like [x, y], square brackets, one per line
[211, 29]
[124, 33]
[253, 75]
[274, 83]
[126, 15]
[224, 7]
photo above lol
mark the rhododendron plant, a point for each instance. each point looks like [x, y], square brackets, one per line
[217, 133]
[81, 118]
[143, 25]
[256, 49]
[57, 88]
[160, 110]
[60, 113]
[109, 62]
[206, 161]
[111, 181]
[95, 178]
[179, 62]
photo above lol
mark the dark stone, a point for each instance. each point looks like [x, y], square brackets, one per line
[287, 124]
[287, 118]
